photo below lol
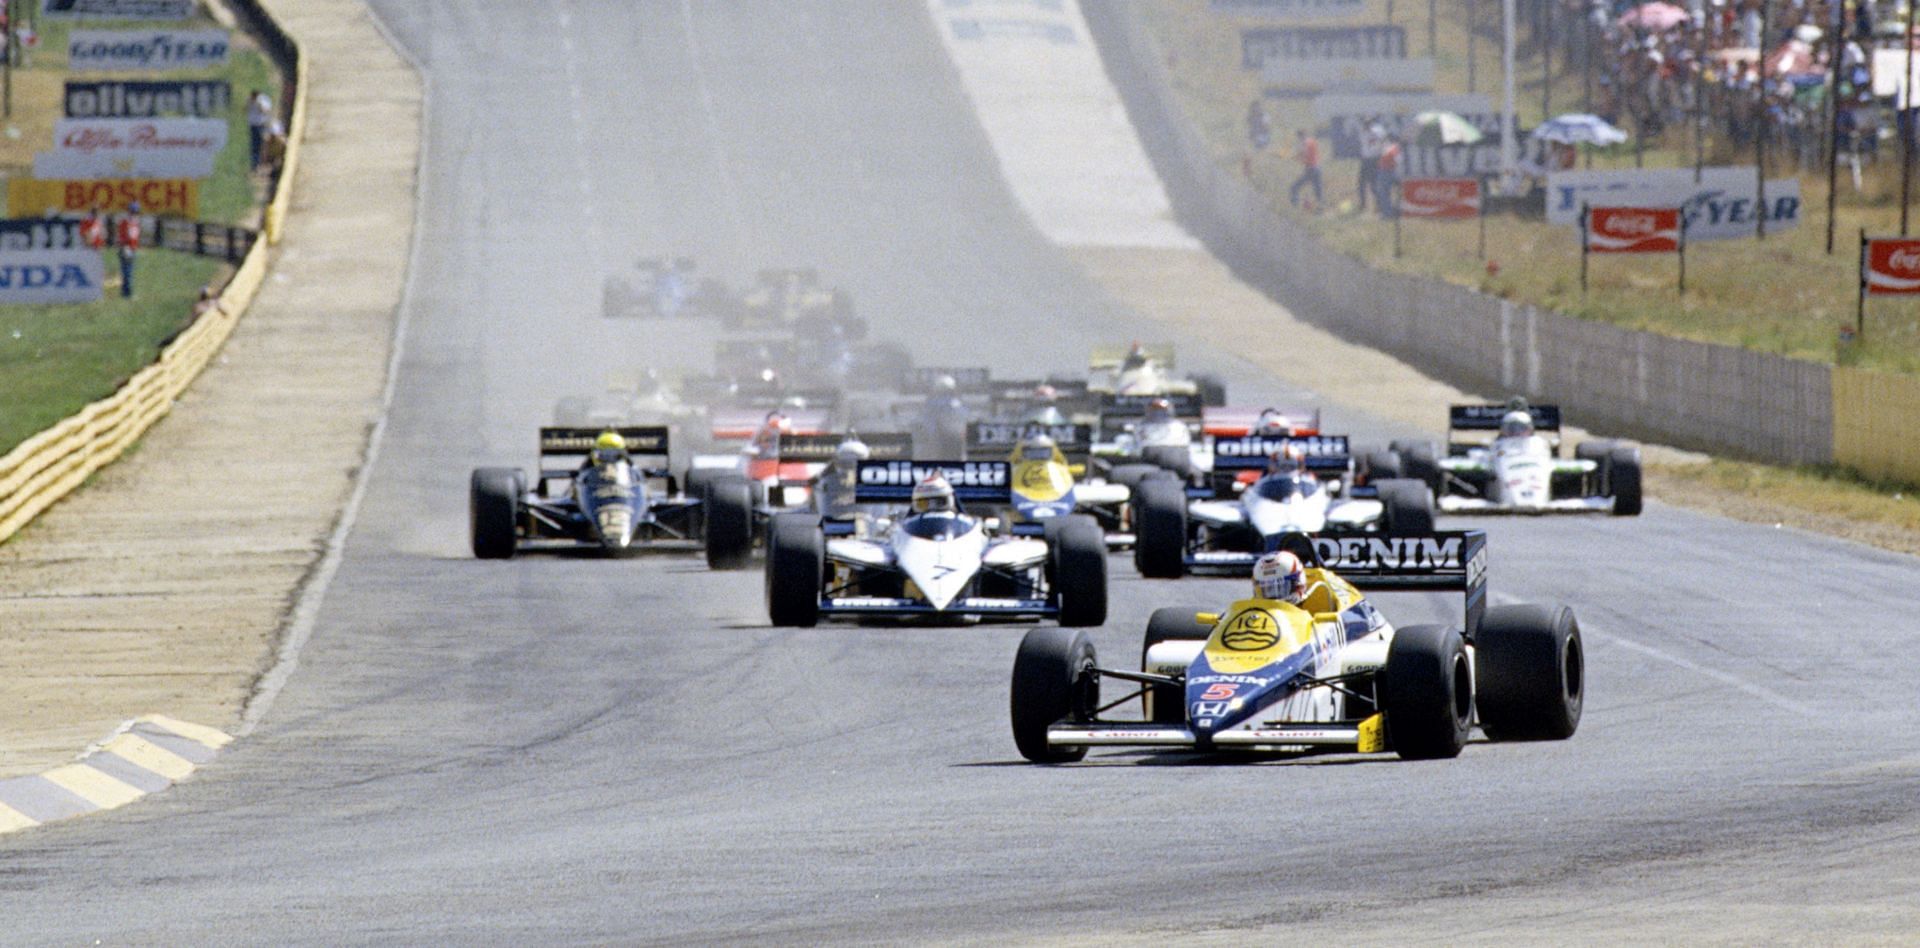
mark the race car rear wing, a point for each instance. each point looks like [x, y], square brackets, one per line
[1546, 418]
[999, 438]
[976, 482]
[1324, 454]
[1443, 561]
[820, 448]
[921, 380]
[644, 441]
[1235, 422]
[1107, 358]
[740, 424]
[1187, 405]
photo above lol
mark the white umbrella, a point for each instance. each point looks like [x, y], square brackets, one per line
[1579, 128]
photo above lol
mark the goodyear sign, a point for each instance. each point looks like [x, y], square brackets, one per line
[167, 197]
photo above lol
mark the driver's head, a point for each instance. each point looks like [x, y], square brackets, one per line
[1158, 410]
[1516, 424]
[1287, 460]
[1048, 416]
[776, 422]
[851, 452]
[933, 495]
[609, 448]
[1281, 576]
[1045, 393]
[1273, 422]
[1136, 357]
[946, 383]
[1038, 448]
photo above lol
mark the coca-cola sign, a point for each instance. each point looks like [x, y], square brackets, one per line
[1893, 266]
[1633, 230]
[1440, 197]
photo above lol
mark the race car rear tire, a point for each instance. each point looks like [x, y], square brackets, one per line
[1409, 506]
[728, 503]
[1053, 681]
[1382, 466]
[1212, 391]
[796, 567]
[493, 499]
[1166, 704]
[1160, 529]
[1079, 552]
[1623, 480]
[1169, 457]
[1531, 670]
[1130, 475]
[1426, 692]
[694, 485]
[1417, 461]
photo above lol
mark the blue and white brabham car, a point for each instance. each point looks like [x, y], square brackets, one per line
[1328, 674]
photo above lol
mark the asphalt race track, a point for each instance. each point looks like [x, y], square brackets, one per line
[572, 749]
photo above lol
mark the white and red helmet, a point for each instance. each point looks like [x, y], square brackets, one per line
[933, 495]
[1280, 575]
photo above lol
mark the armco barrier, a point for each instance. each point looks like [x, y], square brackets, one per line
[1698, 395]
[49, 465]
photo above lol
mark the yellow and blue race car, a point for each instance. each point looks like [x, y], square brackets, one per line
[1327, 674]
[1050, 483]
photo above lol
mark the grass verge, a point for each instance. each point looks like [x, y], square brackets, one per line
[1822, 500]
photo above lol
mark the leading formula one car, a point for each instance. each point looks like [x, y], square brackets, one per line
[1520, 470]
[1319, 669]
[1148, 370]
[1261, 489]
[606, 501]
[934, 561]
[663, 288]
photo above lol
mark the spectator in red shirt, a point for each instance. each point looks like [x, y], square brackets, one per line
[127, 235]
[1386, 177]
[1309, 155]
[93, 230]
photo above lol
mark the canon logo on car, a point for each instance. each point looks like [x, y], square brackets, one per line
[957, 473]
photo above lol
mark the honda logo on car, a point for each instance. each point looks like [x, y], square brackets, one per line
[959, 474]
[1892, 266]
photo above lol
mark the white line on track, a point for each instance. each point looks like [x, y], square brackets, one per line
[306, 608]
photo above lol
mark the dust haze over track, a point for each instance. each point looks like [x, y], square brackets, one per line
[575, 749]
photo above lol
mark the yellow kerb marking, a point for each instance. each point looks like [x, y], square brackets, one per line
[93, 786]
[12, 819]
[150, 756]
[193, 732]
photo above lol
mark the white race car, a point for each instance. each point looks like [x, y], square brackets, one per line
[1148, 370]
[1520, 470]
[934, 561]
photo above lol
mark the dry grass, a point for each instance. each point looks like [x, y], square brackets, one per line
[1816, 499]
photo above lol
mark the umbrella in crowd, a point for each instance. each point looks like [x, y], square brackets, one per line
[1445, 128]
[1657, 17]
[1579, 128]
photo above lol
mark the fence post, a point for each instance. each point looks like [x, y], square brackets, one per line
[1583, 248]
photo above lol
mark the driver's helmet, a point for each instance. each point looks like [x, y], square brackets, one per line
[1136, 358]
[1038, 448]
[946, 383]
[1048, 416]
[933, 495]
[609, 448]
[1280, 575]
[1158, 411]
[1287, 460]
[1273, 422]
[1045, 392]
[851, 452]
[1516, 424]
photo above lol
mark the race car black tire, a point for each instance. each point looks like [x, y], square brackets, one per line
[1412, 445]
[1623, 480]
[1381, 465]
[1130, 475]
[493, 499]
[1165, 704]
[1160, 529]
[1212, 391]
[1417, 461]
[1531, 670]
[728, 503]
[1595, 451]
[1053, 681]
[1052, 527]
[1169, 457]
[796, 567]
[1080, 573]
[1409, 506]
[1426, 692]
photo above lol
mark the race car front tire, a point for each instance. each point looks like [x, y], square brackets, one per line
[1079, 552]
[493, 498]
[728, 503]
[1212, 391]
[1166, 704]
[1408, 506]
[796, 567]
[1531, 670]
[1130, 475]
[1169, 457]
[1623, 480]
[1417, 461]
[1053, 681]
[1426, 692]
[1160, 529]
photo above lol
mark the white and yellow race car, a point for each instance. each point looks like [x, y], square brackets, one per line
[1051, 484]
[1328, 674]
[1147, 370]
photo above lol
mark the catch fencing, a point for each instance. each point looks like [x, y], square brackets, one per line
[1659, 388]
[51, 464]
